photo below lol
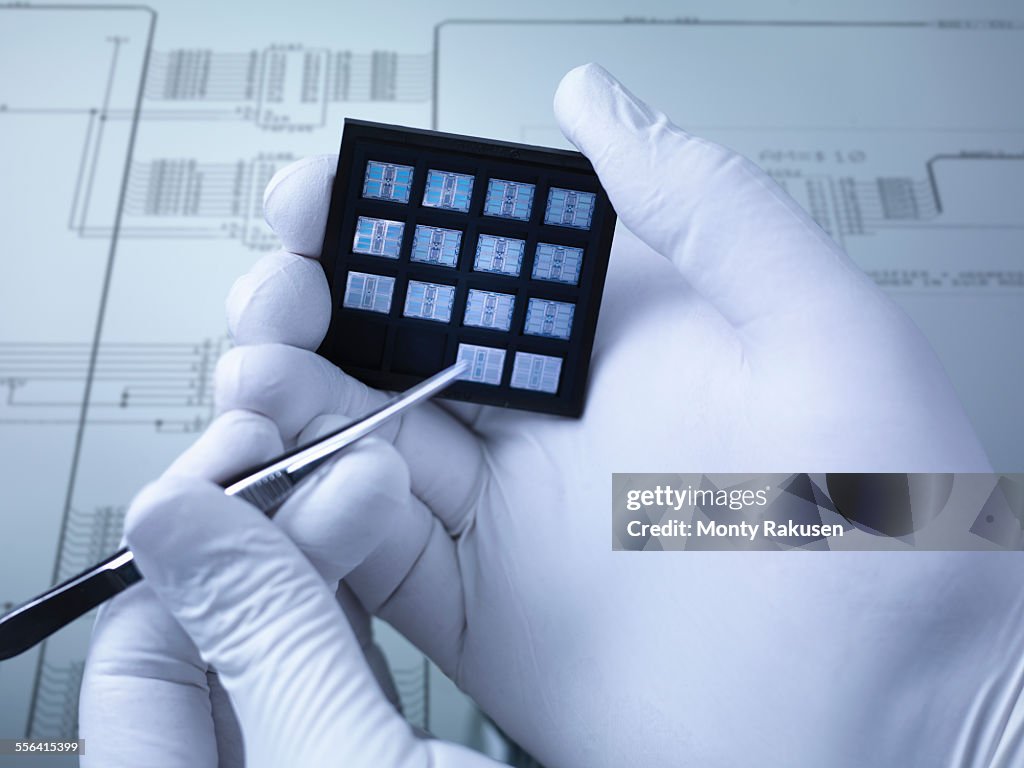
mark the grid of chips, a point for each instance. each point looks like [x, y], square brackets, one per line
[443, 247]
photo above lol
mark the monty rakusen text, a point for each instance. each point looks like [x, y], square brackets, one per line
[674, 499]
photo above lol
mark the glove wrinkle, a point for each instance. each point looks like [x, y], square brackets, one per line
[226, 729]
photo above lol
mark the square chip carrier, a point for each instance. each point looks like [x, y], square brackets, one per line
[442, 247]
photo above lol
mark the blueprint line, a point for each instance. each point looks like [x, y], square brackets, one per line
[98, 332]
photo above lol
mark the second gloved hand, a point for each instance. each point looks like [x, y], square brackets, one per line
[227, 589]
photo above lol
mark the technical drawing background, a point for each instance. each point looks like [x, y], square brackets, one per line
[114, 272]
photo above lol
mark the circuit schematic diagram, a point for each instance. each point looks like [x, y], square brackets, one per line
[134, 167]
[849, 206]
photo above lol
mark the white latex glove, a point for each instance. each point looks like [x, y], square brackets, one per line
[224, 586]
[734, 336]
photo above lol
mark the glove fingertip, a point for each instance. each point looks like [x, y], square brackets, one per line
[286, 384]
[594, 109]
[296, 201]
[381, 469]
[233, 441]
[343, 518]
[283, 299]
[167, 519]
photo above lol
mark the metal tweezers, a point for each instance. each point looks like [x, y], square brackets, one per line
[266, 487]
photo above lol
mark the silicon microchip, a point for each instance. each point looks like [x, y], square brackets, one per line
[539, 373]
[439, 246]
[509, 199]
[435, 245]
[429, 301]
[569, 208]
[369, 292]
[485, 363]
[378, 237]
[558, 263]
[387, 181]
[489, 309]
[549, 318]
[451, 191]
[501, 255]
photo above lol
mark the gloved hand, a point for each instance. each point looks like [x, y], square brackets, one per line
[227, 587]
[734, 336]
